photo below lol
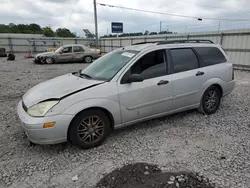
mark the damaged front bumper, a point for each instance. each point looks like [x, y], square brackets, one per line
[39, 60]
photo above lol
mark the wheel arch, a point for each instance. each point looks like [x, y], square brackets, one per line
[217, 82]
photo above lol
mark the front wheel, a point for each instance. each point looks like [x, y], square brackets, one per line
[89, 129]
[88, 59]
[210, 101]
[49, 60]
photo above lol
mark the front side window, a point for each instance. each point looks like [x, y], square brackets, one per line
[106, 67]
[184, 60]
[78, 49]
[210, 55]
[67, 50]
[151, 65]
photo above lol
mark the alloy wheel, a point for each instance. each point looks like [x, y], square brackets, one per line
[211, 100]
[91, 129]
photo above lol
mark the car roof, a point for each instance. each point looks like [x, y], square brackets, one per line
[68, 45]
[156, 45]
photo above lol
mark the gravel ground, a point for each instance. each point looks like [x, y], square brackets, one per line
[215, 146]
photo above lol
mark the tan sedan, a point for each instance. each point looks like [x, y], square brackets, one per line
[68, 53]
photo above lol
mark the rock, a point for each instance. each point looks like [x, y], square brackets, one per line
[30, 173]
[146, 167]
[177, 184]
[170, 182]
[222, 157]
[172, 178]
[75, 178]
[146, 173]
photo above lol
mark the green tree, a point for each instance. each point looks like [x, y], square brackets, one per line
[64, 32]
[48, 32]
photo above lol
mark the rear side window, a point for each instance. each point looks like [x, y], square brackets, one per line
[184, 60]
[210, 55]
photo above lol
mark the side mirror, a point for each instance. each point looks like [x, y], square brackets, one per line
[135, 78]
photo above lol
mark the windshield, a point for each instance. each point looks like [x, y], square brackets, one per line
[59, 49]
[109, 65]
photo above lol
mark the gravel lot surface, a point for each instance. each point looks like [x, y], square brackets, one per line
[216, 146]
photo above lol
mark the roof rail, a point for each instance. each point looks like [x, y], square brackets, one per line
[146, 42]
[184, 41]
[174, 41]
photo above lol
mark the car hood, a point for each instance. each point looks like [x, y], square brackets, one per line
[46, 54]
[57, 88]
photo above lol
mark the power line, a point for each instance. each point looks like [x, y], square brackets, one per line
[169, 14]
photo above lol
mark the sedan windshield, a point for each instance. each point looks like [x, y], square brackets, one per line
[59, 49]
[109, 65]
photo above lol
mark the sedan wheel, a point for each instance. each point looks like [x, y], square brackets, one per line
[49, 60]
[88, 59]
[89, 129]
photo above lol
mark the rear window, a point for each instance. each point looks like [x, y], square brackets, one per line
[210, 55]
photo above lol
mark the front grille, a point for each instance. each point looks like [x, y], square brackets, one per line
[24, 107]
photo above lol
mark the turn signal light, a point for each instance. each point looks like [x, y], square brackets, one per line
[49, 125]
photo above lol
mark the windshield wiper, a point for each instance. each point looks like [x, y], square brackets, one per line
[82, 74]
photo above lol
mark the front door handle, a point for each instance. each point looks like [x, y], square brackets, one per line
[199, 73]
[162, 82]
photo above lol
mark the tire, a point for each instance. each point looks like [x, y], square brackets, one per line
[210, 101]
[89, 129]
[49, 60]
[88, 59]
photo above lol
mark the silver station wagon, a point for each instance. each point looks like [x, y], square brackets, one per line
[126, 86]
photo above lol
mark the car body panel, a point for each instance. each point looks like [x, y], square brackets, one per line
[33, 127]
[55, 88]
[139, 100]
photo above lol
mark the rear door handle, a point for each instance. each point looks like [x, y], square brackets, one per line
[162, 82]
[199, 73]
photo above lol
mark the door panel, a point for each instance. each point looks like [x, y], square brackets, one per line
[186, 88]
[143, 99]
[66, 55]
[78, 53]
[152, 96]
[188, 78]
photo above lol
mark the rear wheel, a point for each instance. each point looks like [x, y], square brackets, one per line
[49, 60]
[88, 59]
[210, 101]
[89, 129]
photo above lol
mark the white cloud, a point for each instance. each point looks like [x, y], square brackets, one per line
[78, 14]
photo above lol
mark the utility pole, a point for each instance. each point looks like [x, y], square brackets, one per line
[219, 27]
[160, 25]
[96, 29]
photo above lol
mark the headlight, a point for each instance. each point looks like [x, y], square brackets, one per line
[40, 109]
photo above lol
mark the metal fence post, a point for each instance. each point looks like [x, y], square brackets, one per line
[103, 40]
[187, 37]
[10, 44]
[34, 45]
[111, 44]
[75, 41]
[120, 42]
[131, 41]
[221, 38]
